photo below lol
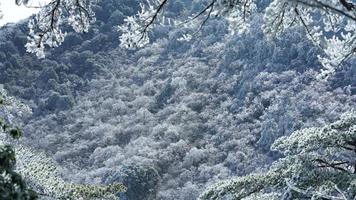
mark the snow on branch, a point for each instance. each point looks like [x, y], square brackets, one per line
[329, 24]
[46, 28]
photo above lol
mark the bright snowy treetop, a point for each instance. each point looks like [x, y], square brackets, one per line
[46, 28]
[330, 24]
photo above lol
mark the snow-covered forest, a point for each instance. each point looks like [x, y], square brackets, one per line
[220, 116]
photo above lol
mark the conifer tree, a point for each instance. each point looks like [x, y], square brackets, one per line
[318, 163]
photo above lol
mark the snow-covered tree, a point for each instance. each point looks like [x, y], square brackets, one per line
[330, 24]
[318, 163]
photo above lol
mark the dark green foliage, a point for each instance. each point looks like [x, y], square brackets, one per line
[7, 158]
[141, 182]
[12, 186]
[15, 133]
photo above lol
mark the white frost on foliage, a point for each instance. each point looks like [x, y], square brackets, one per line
[42, 172]
[135, 29]
[318, 159]
[328, 24]
[333, 32]
[336, 51]
[46, 28]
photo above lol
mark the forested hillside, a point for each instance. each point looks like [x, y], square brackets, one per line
[172, 118]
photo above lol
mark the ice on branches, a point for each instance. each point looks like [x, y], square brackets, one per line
[319, 163]
[46, 28]
[340, 134]
[134, 32]
[329, 24]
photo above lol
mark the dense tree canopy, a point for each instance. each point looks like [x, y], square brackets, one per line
[172, 117]
[185, 113]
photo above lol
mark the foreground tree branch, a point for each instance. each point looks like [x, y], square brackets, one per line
[309, 169]
[337, 16]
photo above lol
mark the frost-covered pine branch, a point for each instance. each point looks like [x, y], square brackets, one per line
[319, 163]
[42, 172]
